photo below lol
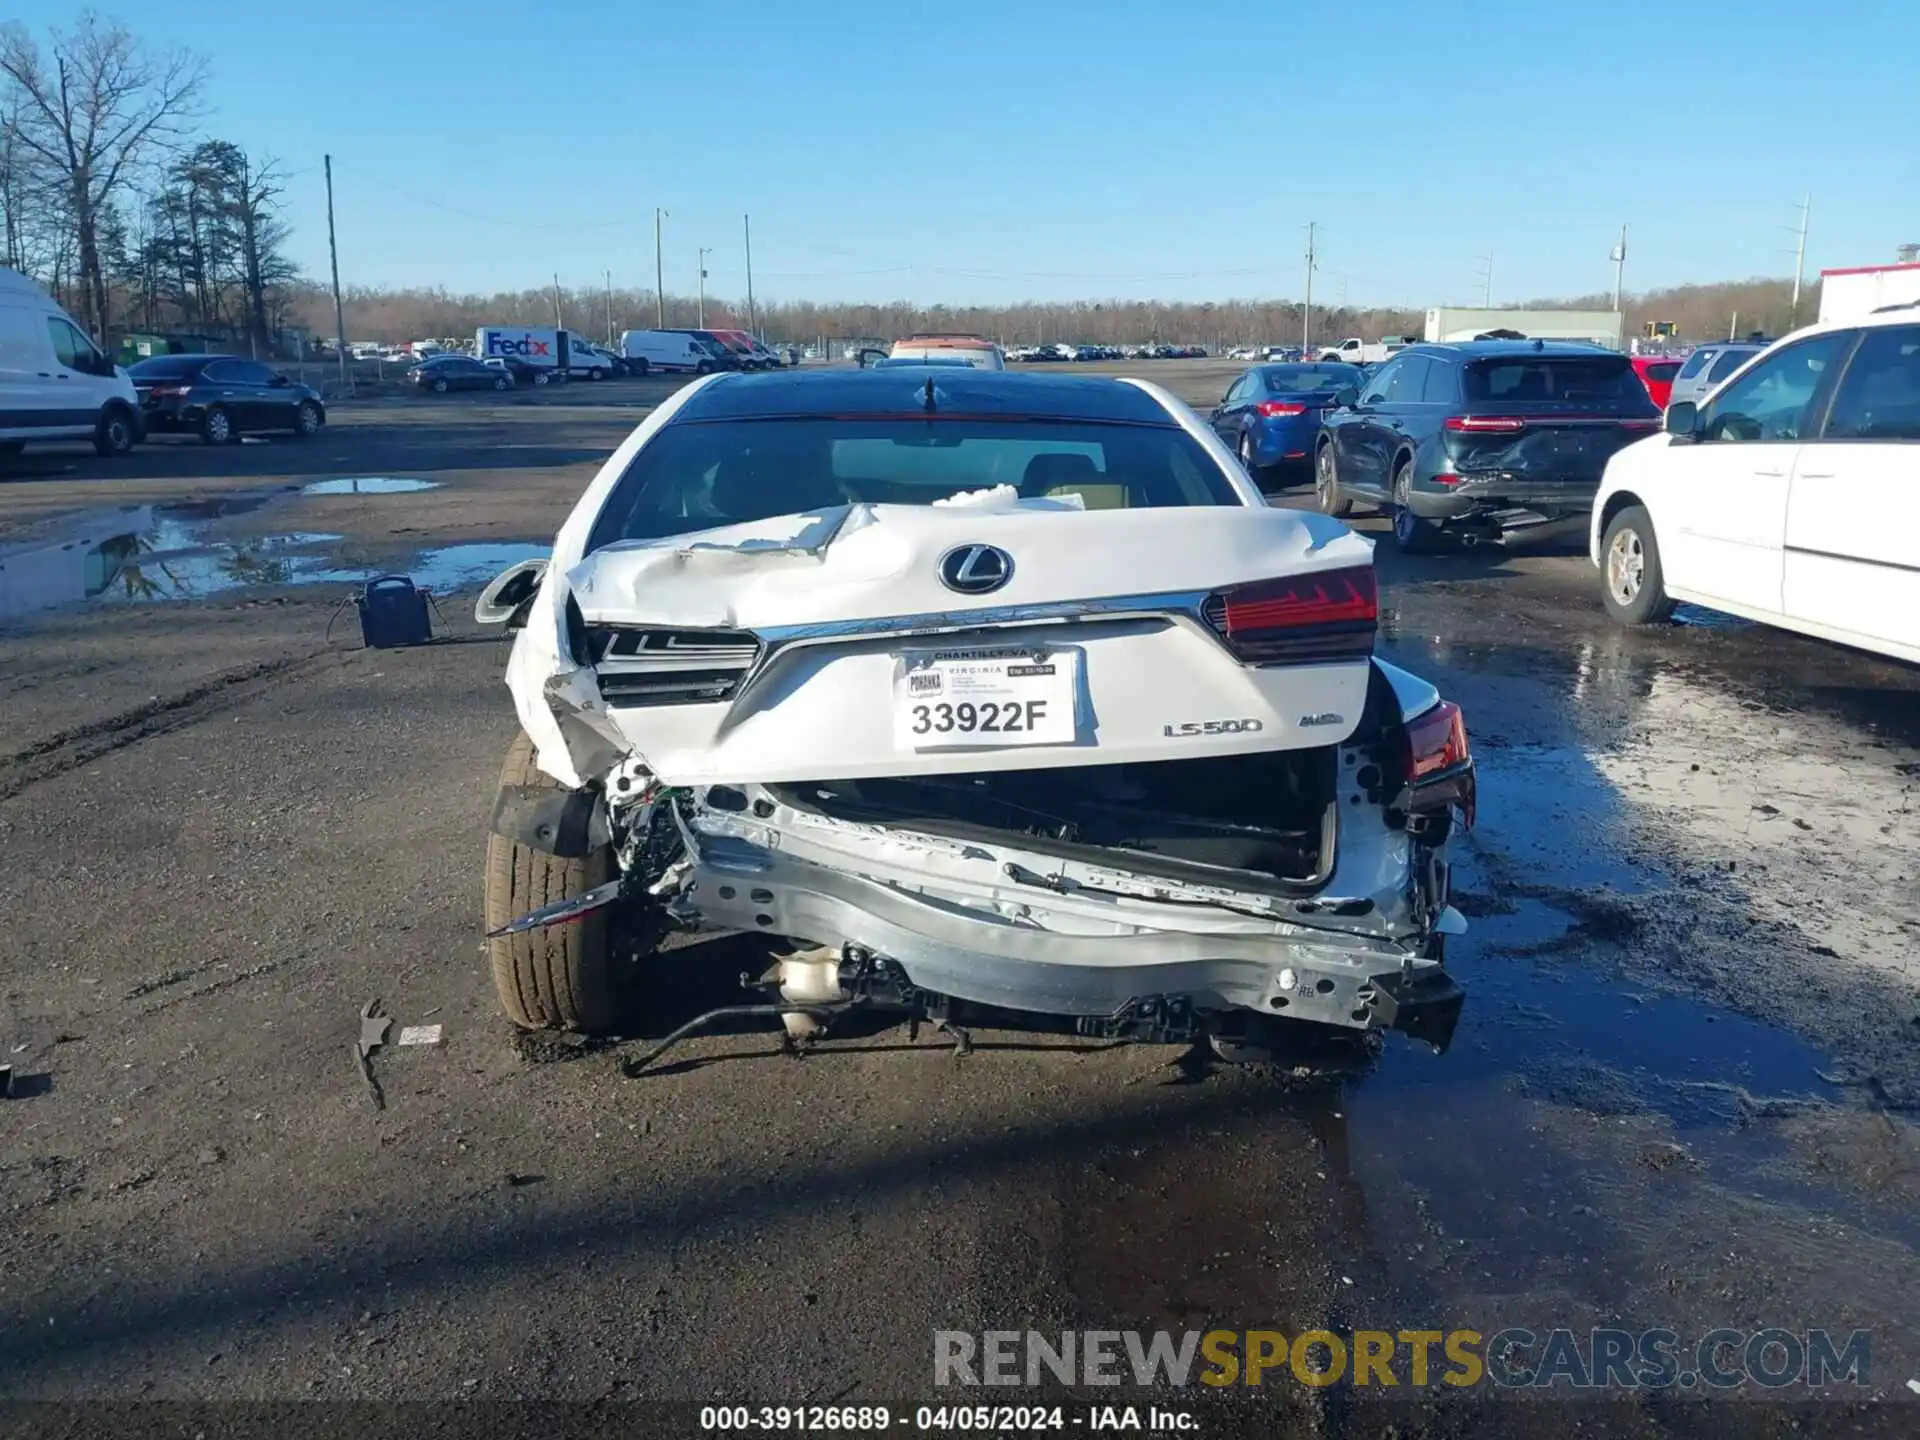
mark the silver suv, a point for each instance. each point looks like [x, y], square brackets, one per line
[1707, 366]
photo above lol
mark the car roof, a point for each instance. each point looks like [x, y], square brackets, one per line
[1499, 349]
[902, 389]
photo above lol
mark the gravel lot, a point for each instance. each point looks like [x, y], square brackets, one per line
[1682, 1094]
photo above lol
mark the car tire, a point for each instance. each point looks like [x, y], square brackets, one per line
[1412, 535]
[1256, 472]
[217, 427]
[307, 420]
[1632, 584]
[561, 977]
[500, 382]
[540, 377]
[704, 367]
[1327, 492]
[115, 433]
[440, 386]
[637, 367]
[596, 374]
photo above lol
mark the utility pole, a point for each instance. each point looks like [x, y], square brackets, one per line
[339, 313]
[659, 284]
[1486, 262]
[752, 323]
[1800, 263]
[558, 323]
[1306, 311]
[610, 309]
[1619, 258]
[705, 250]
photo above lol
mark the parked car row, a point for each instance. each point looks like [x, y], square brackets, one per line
[1037, 354]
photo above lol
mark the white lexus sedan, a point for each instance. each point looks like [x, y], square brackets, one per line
[976, 694]
[1790, 496]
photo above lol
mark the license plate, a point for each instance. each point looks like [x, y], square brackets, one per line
[950, 699]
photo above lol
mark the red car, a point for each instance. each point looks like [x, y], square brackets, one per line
[1656, 372]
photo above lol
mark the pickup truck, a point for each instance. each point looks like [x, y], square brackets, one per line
[1356, 351]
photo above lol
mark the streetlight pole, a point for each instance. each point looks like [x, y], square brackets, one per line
[1619, 258]
[1306, 311]
[659, 284]
[752, 323]
[1800, 262]
[705, 250]
[609, 309]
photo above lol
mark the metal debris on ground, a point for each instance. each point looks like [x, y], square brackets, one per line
[420, 1035]
[373, 1034]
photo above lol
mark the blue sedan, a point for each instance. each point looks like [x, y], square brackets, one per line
[1271, 416]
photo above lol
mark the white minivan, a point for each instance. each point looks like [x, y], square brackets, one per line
[1790, 495]
[645, 350]
[54, 382]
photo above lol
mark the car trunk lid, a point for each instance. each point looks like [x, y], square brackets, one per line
[990, 634]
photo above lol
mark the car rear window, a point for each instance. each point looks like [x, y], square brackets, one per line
[1696, 362]
[1666, 370]
[697, 476]
[1730, 362]
[1292, 379]
[167, 367]
[1553, 378]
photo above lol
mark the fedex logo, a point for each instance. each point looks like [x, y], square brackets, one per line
[525, 345]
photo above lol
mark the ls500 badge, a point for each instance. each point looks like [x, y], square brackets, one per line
[1211, 727]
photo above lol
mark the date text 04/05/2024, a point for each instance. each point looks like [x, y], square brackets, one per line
[958, 1419]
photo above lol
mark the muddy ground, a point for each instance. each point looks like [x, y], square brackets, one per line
[1682, 1094]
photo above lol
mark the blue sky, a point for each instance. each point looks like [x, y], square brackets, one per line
[1055, 149]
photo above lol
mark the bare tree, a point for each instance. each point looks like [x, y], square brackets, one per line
[91, 112]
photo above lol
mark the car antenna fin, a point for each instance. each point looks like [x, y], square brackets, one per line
[929, 393]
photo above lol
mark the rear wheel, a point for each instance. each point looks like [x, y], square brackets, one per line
[1632, 583]
[561, 977]
[1326, 484]
[1411, 534]
[114, 434]
[306, 420]
[540, 377]
[1255, 471]
[500, 382]
[217, 427]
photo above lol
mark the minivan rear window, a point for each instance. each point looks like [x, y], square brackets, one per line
[1553, 378]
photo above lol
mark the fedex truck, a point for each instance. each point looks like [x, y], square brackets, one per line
[540, 350]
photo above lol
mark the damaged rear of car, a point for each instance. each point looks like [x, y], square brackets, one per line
[984, 696]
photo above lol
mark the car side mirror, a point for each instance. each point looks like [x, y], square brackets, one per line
[1682, 420]
[509, 595]
[1346, 397]
[279, 380]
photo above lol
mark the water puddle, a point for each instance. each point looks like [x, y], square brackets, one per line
[368, 485]
[450, 567]
[153, 553]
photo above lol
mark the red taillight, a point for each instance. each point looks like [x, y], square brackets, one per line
[1436, 742]
[1485, 424]
[1302, 620]
[1271, 408]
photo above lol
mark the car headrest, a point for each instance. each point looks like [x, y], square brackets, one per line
[1049, 472]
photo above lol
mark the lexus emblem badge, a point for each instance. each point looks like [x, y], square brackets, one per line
[975, 569]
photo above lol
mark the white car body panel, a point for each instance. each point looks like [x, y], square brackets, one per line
[1817, 535]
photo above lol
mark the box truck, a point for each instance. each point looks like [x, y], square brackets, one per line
[539, 348]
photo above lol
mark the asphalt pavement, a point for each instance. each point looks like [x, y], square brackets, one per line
[1682, 1093]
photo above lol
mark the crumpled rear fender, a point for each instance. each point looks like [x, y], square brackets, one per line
[556, 697]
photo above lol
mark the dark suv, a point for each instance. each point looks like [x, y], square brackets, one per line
[1478, 439]
[221, 397]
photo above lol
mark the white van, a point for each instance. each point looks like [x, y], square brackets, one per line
[54, 382]
[645, 350]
